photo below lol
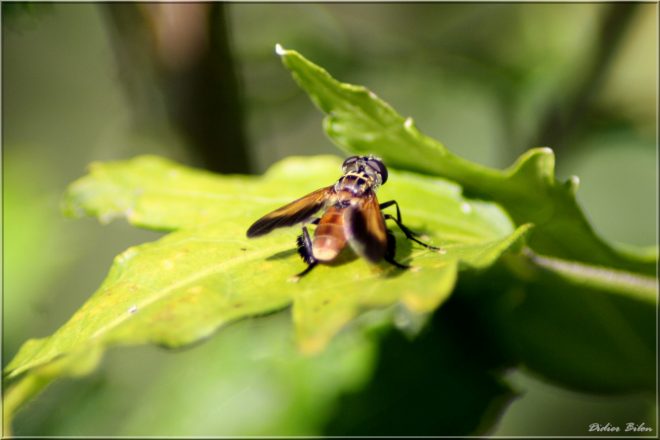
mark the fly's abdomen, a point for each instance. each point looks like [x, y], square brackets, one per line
[329, 238]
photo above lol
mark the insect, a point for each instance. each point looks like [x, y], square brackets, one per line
[349, 214]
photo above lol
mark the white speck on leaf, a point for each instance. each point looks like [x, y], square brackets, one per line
[127, 255]
[408, 123]
[132, 309]
[107, 217]
[466, 208]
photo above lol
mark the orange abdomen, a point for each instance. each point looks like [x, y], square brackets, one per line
[329, 237]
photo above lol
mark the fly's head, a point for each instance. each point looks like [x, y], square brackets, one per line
[371, 167]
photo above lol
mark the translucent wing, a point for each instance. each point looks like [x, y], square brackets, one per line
[365, 229]
[297, 211]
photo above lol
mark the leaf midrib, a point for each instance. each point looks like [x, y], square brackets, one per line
[192, 279]
[35, 360]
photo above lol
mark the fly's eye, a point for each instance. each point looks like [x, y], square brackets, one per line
[348, 163]
[379, 167]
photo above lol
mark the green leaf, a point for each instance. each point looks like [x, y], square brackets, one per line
[573, 332]
[579, 281]
[183, 287]
[360, 122]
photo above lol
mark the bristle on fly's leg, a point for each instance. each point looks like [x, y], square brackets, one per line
[302, 250]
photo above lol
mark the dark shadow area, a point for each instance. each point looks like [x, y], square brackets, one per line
[283, 254]
[444, 382]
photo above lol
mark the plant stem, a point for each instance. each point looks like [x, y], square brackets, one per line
[632, 284]
[194, 85]
[564, 121]
[23, 391]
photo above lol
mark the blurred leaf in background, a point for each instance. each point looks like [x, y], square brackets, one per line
[488, 80]
[60, 111]
[30, 211]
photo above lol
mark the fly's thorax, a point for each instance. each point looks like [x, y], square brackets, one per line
[357, 184]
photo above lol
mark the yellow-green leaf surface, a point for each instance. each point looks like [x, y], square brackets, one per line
[206, 273]
[358, 121]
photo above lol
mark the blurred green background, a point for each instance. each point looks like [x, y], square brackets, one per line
[200, 83]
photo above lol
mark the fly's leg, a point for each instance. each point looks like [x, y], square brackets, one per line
[304, 272]
[398, 211]
[304, 242]
[410, 235]
[390, 250]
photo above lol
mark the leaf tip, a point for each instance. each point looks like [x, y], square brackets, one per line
[279, 49]
[573, 183]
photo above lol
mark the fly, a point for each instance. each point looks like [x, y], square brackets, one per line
[349, 214]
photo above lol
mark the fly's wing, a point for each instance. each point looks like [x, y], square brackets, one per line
[365, 229]
[297, 211]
